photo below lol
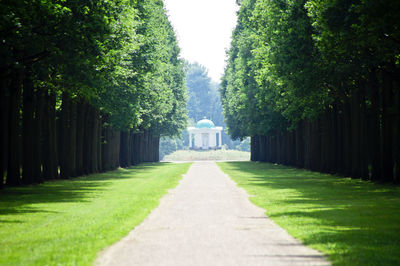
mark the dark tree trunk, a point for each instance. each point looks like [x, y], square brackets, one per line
[335, 140]
[363, 137]
[375, 130]
[316, 149]
[46, 138]
[105, 149]
[254, 148]
[157, 149]
[50, 155]
[116, 147]
[80, 131]
[340, 165]
[99, 142]
[397, 134]
[278, 147]
[72, 139]
[87, 143]
[145, 147]
[13, 168]
[299, 145]
[262, 153]
[136, 144]
[347, 140]
[64, 146]
[325, 141]
[307, 148]
[124, 147]
[95, 141]
[53, 136]
[355, 134]
[28, 130]
[4, 102]
[387, 129]
[131, 147]
[38, 126]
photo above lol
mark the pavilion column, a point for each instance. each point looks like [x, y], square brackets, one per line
[190, 140]
[220, 139]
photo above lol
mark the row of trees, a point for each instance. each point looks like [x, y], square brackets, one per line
[315, 83]
[86, 86]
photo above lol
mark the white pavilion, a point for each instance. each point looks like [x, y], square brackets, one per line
[205, 135]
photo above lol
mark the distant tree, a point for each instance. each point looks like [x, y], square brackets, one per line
[204, 99]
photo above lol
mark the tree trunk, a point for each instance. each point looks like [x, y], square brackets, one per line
[13, 168]
[335, 139]
[116, 145]
[397, 134]
[157, 149]
[299, 145]
[123, 155]
[80, 132]
[28, 130]
[375, 130]
[363, 137]
[38, 126]
[347, 140]
[87, 143]
[64, 146]
[95, 140]
[262, 152]
[4, 106]
[355, 134]
[72, 139]
[99, 142]
[387, 129]
[254, 148]
[136, 148]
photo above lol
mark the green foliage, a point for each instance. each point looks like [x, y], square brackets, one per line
[332, 214]
[169, 145]
[244, 145]
[203, 95]
[290, 60]
[69, 222]
[204, 99]
[121, 56]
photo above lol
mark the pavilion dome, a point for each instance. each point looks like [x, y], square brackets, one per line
[205, 123]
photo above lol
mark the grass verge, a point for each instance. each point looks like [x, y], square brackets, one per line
[352, 221]
[69, 222]
[210, 155]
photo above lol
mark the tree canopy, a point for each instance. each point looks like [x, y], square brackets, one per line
[318, 64]
[119, 58]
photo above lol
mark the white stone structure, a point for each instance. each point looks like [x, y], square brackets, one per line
[205, 135]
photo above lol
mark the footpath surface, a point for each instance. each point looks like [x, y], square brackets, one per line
[208, 220]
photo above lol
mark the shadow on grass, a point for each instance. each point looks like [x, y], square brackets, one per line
[354, 221]
[17, 200]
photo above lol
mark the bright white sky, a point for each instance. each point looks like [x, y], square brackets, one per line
[204, 29]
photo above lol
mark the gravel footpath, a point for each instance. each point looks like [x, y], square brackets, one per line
[208, 220]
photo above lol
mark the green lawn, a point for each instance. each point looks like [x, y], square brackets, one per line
[211, 155]
[352, 221]
[69, 222]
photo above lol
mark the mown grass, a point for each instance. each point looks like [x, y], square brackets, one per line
[210, 155]
[354, 222]
[69, 222]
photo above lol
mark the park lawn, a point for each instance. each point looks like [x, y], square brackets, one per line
[68, 222]
[208, 155]
[352, 221]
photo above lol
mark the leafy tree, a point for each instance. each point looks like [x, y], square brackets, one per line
[315, 84]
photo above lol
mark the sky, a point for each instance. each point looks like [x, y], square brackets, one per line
[203, 29]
